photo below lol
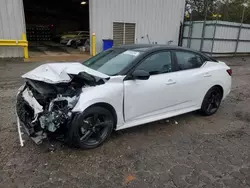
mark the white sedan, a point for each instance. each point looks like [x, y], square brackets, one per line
[119, 88]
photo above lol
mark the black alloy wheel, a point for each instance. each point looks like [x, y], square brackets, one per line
[91, 128]
[212, 101]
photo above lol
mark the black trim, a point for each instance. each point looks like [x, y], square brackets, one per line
[176, 67]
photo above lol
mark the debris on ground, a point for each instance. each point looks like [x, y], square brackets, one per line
[130, 178]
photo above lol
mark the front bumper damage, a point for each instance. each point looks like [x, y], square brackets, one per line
[38, 121]
[44, 104]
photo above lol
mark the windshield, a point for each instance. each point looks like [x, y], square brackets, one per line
[113, 61]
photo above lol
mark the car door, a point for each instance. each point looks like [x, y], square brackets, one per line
[144, 98]
[191, 78]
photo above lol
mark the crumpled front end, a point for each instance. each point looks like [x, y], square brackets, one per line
[51, 91]
[43, 115]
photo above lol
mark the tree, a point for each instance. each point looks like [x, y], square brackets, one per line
[230, 10]
[234, 10]
[198, 8]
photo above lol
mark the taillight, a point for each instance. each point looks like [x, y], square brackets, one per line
[230, 72]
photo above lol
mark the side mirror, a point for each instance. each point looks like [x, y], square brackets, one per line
[140, 75]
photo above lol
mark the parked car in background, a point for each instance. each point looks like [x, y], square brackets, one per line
[119, 88]
[67, 39]
[81, 42]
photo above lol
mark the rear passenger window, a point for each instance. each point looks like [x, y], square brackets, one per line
[188, 60]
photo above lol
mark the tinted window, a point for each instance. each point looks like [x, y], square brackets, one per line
[187, 60]
[157, 63]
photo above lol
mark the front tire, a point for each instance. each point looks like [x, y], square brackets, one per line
[211, 101]
[91, 128]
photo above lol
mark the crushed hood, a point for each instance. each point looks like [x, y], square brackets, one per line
[54, 73]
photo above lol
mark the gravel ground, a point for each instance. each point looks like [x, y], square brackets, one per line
[186, 151]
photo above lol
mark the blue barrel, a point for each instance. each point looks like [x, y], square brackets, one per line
[107, 44]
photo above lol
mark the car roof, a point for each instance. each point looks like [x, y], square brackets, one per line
[152, 47]
[155, 47]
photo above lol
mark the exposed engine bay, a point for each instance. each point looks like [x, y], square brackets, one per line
[45, 108]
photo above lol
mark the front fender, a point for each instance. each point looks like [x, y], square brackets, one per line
[110, 93]
[84, 103]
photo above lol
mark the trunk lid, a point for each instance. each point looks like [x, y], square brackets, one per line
[54, 73]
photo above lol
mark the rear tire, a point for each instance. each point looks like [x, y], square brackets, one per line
[211, 101]
[91, 128]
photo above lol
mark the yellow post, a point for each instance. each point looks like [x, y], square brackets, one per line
[93, 44]
[25, 49]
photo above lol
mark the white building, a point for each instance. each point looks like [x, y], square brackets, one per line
[136, 21]
[124, 21]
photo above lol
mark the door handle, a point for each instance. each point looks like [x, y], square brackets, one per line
[207, 74]
[171, 82]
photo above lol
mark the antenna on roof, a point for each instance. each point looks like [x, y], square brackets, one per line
[148, 39]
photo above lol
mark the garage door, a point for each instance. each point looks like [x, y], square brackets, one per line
[123, 33]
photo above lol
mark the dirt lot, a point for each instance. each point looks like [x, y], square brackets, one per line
[188, 151]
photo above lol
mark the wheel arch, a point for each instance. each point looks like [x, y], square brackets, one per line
[215, 86]
[107, 106]
[211, 87]
[219, 87]
[203, 108]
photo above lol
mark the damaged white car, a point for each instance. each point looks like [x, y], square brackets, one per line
[119, 88]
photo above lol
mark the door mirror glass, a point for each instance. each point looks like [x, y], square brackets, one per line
[140, 75]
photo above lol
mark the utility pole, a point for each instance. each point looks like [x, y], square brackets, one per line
[240, 28]
[204, 25]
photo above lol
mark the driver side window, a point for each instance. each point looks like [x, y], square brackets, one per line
[157, 63]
